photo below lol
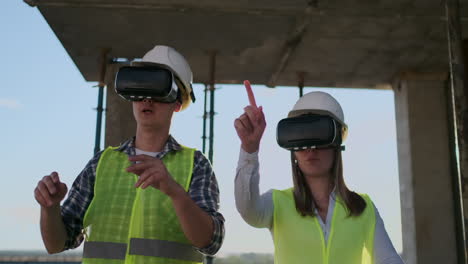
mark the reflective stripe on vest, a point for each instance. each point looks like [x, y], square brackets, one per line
[164, 249]
[143, 220]
[141, 246]
[299, 239]
[104, 250]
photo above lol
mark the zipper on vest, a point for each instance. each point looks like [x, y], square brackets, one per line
[322, 238]
[131, 230]
[330, 233]
[326, 246]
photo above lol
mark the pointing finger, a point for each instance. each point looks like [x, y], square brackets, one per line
[250, 93]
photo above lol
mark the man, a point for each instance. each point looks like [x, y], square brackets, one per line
[150, 200]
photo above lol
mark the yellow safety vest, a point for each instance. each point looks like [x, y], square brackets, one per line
[128, 225]
[300, 240]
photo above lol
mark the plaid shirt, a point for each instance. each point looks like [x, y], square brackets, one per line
[203, 191]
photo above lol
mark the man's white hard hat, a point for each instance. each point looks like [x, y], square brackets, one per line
[171, 59]
[320, 103]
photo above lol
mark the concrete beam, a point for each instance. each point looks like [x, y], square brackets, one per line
[293, 40]
[425, 170]
[191, 7]
[259, 11]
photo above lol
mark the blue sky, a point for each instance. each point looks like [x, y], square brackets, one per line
[48, 124]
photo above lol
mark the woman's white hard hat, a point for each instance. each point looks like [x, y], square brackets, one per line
[169, 58]
[320, 103]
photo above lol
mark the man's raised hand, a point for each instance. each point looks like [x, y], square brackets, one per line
[50, 191]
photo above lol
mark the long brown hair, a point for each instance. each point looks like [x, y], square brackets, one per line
[304, 200]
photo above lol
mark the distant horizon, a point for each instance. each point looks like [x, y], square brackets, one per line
[80, 252]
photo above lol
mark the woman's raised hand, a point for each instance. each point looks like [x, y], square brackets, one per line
[251, 124]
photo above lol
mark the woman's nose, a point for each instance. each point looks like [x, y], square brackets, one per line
[311, 150]
[148, 101]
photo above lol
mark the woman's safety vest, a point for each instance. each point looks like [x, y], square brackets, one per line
[128, 225]
[300, 240]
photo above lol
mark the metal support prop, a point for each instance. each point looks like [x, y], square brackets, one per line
[212, 94]
[459, 91]
[209, 259]
[205, 115]
[99, 109]
[300, 83]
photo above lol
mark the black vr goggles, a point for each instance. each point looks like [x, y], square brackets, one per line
[148, 82]
[309, 131]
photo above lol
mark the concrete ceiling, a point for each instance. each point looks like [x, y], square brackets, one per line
[336, 43]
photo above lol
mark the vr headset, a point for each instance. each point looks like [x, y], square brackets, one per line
[309, 131]
[148, 82]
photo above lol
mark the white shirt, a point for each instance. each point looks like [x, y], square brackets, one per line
[142, 152]
[257, 210]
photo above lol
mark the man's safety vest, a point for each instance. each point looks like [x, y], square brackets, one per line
[300, 240]
[128, 225]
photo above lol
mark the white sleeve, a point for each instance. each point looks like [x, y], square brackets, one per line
[255, 209]
[384, 252]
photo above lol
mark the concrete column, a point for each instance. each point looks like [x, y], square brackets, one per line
[464, 168]
[120, 123]
[425, 170]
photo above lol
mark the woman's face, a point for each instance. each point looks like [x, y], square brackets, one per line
[315, 162]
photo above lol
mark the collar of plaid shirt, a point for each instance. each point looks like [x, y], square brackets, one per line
[128, 147]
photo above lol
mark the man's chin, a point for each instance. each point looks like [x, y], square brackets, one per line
[149, 124]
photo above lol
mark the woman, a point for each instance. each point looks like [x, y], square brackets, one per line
[319, 220]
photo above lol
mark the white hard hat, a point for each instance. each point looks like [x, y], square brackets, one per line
[174, 61]
[323, 104]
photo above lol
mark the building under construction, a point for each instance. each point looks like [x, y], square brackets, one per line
[417, 48]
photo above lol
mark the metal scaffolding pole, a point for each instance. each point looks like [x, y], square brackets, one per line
[209, 259]
[300, 83]
[212, 94]
[459, 91]
[205, 115]
[99, 109]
